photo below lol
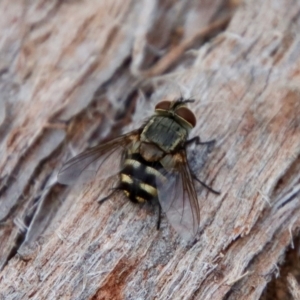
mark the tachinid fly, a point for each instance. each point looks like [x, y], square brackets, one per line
[152, 165]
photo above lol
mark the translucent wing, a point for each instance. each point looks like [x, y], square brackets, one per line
[93, 159]
[178, 198]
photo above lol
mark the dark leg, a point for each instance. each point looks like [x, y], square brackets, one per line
[159, 217]
[188, 101]
[181, 101]
[108, 196]
[205, 185]
[196, 140]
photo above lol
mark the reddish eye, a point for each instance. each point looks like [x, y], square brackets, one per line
[163, 105]
[187, 115]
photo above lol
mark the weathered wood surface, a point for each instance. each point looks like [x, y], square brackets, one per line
[69, 73]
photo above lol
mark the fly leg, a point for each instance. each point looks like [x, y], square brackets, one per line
[108, 196]
[197, 141]
[159, 217]
[205, 185]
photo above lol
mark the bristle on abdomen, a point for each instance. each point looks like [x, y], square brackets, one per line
[138, 178]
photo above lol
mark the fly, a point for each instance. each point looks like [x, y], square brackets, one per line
[152, 165]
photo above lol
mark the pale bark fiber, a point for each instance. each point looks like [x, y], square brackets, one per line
[83, 62]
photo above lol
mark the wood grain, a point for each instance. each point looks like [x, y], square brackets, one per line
[75, 72]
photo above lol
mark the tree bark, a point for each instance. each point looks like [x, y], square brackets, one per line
[76, 72]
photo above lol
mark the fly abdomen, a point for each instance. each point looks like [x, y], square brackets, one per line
[138, 178]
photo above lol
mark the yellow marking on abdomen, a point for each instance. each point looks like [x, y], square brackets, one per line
[127, 194]
[150, 170]
[126, 178]
[140, 199]
[136, 164]
[148, 188]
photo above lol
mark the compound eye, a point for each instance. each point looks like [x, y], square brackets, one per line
[187, 115]
[163, 105]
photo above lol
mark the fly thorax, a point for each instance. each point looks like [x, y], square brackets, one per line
[164, 132]
[151, 152]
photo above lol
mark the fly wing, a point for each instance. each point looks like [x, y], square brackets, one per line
[91, 160]
[178, 198]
